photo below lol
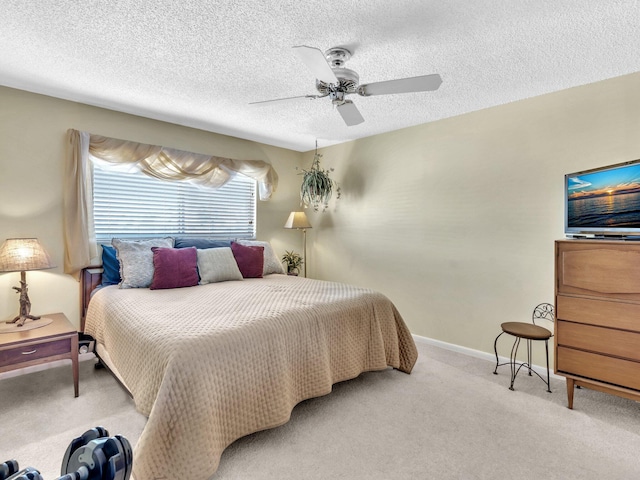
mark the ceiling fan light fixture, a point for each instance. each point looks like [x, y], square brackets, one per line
[337, 98]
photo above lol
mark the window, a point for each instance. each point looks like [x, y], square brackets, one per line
[134, 205]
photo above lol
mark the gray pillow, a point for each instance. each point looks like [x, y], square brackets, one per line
[136, 260]
[271, 262]
[217, 265]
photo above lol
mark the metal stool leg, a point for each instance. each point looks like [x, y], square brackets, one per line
[512, 360]
[495, 349]
[546, 346]
[529, 355]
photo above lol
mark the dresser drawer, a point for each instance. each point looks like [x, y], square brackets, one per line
[608, 341]
[598, 367]
[603, 313]
[599, 269]
[21, 354]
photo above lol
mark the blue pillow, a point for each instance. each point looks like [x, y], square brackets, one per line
[110, 265]
[200, 243]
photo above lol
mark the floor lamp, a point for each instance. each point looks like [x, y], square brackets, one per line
[298, 220]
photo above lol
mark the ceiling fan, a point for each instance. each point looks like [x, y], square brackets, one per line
[336, 82]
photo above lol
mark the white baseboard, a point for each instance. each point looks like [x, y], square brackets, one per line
[478, 354]
[45, 366]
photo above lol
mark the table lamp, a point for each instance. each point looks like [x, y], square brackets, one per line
[298, 220]
[20, 255]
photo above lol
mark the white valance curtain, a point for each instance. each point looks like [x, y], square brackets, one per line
[160, 162]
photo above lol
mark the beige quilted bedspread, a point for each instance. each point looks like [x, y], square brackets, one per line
[212, 363]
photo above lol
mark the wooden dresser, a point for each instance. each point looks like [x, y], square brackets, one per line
[597, 330]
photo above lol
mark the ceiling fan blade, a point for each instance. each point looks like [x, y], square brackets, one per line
[350, 113]
[423, 83]
[315, 60]
[286, 99]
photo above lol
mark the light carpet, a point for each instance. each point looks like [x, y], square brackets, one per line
[450, 419]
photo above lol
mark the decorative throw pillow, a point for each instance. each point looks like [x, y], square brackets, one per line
[250, 259]
[136, 260]
[200, 243]
[110, 266]
[271, 262]
[217, 265]
[174, 267]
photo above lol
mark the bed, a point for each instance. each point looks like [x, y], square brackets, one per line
[211, 363]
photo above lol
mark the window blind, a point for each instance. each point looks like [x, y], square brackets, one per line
[134, 205]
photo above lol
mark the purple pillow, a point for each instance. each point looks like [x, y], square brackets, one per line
[174, 267]
[250, 259]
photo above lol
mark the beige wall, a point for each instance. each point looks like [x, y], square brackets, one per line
[32, 148]
[455, 220]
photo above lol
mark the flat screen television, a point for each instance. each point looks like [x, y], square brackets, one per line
[603, 201]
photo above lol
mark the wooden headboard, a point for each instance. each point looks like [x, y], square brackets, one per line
[90, 278]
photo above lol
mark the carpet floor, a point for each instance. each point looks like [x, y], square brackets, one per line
[450, 419]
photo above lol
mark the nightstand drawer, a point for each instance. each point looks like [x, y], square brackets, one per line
[36, 351]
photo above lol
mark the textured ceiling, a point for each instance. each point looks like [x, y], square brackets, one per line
[200, 62]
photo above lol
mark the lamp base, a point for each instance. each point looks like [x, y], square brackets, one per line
[7, 327]
[20, 319]
[25, 303]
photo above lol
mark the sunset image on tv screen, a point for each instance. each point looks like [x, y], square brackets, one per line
[605, 199]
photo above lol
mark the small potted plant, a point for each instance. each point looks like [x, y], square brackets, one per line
[293, 261]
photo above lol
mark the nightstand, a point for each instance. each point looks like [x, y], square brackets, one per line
[56, 341]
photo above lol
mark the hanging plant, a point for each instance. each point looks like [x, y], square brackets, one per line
[317, 186]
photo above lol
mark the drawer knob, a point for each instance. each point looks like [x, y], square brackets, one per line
[29, 353]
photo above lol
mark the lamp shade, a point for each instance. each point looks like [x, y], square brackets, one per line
[297, 220]
[21, 254]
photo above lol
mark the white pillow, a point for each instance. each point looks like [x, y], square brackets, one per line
[271, 263]
[136, 260]
[217, 265]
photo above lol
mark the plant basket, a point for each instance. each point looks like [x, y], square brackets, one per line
[317, 186]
